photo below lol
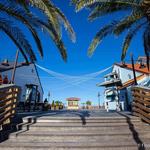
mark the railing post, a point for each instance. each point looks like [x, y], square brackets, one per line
[141, 103]
[8, 103]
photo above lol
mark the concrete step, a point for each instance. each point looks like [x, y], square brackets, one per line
[60, 127]
[81, 119]
[73, 137]
[71, 148]
[68, 124]
[98, 126]
[44, 132]
[74, 145]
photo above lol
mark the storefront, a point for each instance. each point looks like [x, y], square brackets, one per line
[73, 103]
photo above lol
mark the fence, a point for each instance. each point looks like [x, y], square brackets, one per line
[141, 103]
[9, 95]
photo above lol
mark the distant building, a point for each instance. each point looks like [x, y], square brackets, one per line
[27, 78]
[73, 103]
[119, 82]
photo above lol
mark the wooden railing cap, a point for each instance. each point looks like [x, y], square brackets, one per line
[141, 87]
[5, 86]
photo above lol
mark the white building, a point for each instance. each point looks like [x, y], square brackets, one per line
[27, 78]
[119, 82]
[111, 99]
[126, 75]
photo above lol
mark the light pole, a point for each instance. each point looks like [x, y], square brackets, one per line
[99, 99]
[49, 96]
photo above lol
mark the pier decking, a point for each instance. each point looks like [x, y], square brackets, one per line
[81, 129]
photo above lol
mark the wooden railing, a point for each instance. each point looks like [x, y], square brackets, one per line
[141, 103]
[9, 95]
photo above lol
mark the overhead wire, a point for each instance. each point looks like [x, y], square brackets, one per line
[73, 80]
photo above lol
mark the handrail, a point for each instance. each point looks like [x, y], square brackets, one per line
[9, 95]
[141, 102]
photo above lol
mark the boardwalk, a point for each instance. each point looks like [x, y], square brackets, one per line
[82, 129]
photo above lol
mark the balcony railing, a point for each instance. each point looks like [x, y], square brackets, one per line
[9, 95]
[141, 103]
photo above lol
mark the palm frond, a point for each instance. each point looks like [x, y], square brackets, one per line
[74, 2]
[146, 37]
[145, 2]
[20, 16]
[54, 15]
[86, 3]
[18, 38]
[128, 21]
[108, 29]
[66, 23]
[55, 37]
[107, 8]
[45, 7]
[129, 38]
[24, 4]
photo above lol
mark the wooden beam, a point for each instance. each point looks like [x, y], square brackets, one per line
[15, 65]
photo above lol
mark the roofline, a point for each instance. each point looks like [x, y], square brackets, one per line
[28, 65]
[25, 64]
[131, 69]
[73, 98]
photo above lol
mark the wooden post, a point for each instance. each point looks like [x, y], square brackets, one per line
[14, 69]
[135, 81]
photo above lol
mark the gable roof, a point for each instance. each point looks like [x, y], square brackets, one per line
[137, 67]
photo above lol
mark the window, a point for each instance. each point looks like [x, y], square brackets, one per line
[70, 103]
[75, 103]
[129, 75]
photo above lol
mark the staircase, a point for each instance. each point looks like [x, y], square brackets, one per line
[122, 132]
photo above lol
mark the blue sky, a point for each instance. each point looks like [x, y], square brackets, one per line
[78, 62]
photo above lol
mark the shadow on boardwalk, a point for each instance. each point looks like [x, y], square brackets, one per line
[133, 131]
[63, 113]
[32, 119]
[83, 114]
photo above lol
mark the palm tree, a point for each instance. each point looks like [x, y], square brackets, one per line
[139, 17]
[88, 103]
[36, 16]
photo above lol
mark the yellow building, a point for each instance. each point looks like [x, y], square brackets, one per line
[73, 103]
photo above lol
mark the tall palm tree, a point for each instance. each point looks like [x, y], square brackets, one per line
[36, 16]
[139, 17]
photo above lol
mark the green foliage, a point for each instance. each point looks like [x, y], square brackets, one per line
[23, 11]
[88, 103]
[137, 19]
[57, 103]
[53, 103]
